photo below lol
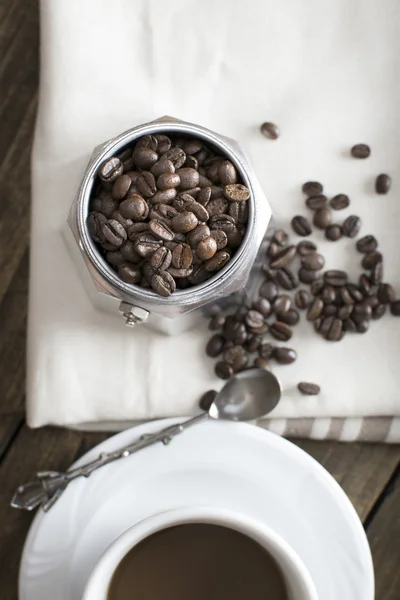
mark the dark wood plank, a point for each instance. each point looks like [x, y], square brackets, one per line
[362, 470]
[384, 538]
[9, 425]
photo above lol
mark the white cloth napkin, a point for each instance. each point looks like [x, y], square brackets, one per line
[327, 73]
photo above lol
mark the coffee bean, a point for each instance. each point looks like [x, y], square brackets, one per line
[377, 273]
[163, 283]
[283, 258]
[315, 309]
[198, 234]
[253, 343]
[349, 325]
[335, 331]
[317, 286]
[108, 205]
[367, 244]
[146, 184]
[270, 274]
[378, 311]
[204, 196]
[218, 206]
[192, 162]
[313, 188]
[284, 356]
[322, 218]
[217, 192]
[305, 247]
[192, 146]
[325, 325]
[263, 306]
[286, 279]
[206, 248]
[161, 259]
[386, 293]
[291, 317]
[273, 250]
[302, 299]
[199, 275]
[308, 389]
[121, 186]
[261, 363]
[266, 350]
[344, 312]
[216, 322]
[146, 244]
[361, 312]
[135, 207]
[333, 232]
[351, 226]
[227, 173]
[115, 258]
[218, 261]
[185, 202]
[239, 211]
[165, 181]
[330, 310]
[95, 223]
[163, 165]
[110, 169]
[360, 151]
[114, 233]
[189, 178]
[212, 170]
[118, 217]
[224, 222]
[220, 237]
[129, 273]
[281, 304]
[234, 331]
[371, 301]
[313, 261]
[129, 253]
[270, 130]
[281, 331]
[164, 196]
[335, 278]
[207, 399]
[362, 326]
[204, 181]
[301, 225]
[307, 276]
[144, 157]
[317, 202]
[147, 141]
[364, 284]
[328, 294]
[180, 273]
[339, 202]
[345, 296]
[395, 308]
[184, 222]
[177, 156]
[236, 192]
[223, 370]
[95, 205]
[182, 256]
[236, 357]
[383, 183]
[371, 259]
[280, 237]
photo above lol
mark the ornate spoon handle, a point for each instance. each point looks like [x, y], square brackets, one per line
[49, 485]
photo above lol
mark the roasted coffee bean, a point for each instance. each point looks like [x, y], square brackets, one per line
[166, 181]
[95, 205]
[239, 211]
[163, 210]
[182, 257]
[212, 170]
[349, 325]
[371, 259]
[192, 146]
[273, 250]
[335, 331]
[308, 389]
[207, 399]
[317, 202]
[258, 330]
[218, 261]
[235, 238]
[146, 184]
[204, 196]
[362, 326]
[223, 370]
[253, 343]
[204, 181]
[395, 308]
[108, 205]
[333, 232]
[161, 259]
[360, 151]
[237, 357]
[135, 207]
[192, 162]
[162, 166]
[216, 322]
[283, 258]
[351, 226]
[144, 157]
[163, 283]
[95, 223]
[197, 234]
[266, 350]
[291, 317]
[206, 248]
[322, 218]
[302, 299]
[281, 304]
[345, 296]
[146, 244]
[136, 228]
[367, 244]
[199, 275]
[224, 222]
[328, 294]
[339, 202]
[386, 293]
[121, 186]
[129, 273]
[371, 301]
[325, 325]
[378, 311]
[301, 225]
[286, 279]
[313, 188]
[280, 237]
[185, 202]
[270, 274]
[317, 286]
[110, 169]
[364, 284]
[313, 261]
[118, 217]
[345, 312]
[163, 143]
[189, 178]
[129, 253]
[180, 273]
[236, 192]
[281, 331]
[116, 258]
[361, 312]
[354, 292]
[383, 183]
[335, 278]
[227, 172]
[253, 319]
[217, 206]
[330, 310]
[194, 192]
[217, 192]
[305, 247]
[270, 130]
[220, 237]
[315, 309]
[228, 344]
[284, 356]
[261, 363]
[234, 331]
[147, 141]
[164, 196]
[307, 276]
[184, 222]
[177, 156]
[263, 306]
[114, 233]
[377, 273]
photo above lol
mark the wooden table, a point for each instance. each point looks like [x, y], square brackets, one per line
[368, 473]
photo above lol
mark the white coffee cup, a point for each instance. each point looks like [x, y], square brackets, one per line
[297, 578]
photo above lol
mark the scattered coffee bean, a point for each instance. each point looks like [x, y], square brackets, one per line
[263, 306]
[254, 319]
[328, 294]
[223, 370]
[335, 277]
[367, 244]
[305, 247]
[273, 250]
[266, 350]
[301, 225]
[330, 311]
[395, 308]
[253, 343]
[283, 258]
[316, 202]
[344, 312]
[360, 151]
[280, 237]
[377, 273]
[207, 399]
[302, 299]
[313, 188]
[236, 357]
[386, 293]
[340, 201]
[317, 286]
[351, 226]
[270, 130]
[286, 279]
[322, 218]
[362, 326]
[308, 389]
[371, 259]
[307, 276]
[333, 232]
[383, 183]
[215, 346]
[216, 322]
[290, 317]
[261, 363]
[335, 331]
[281, 304]
[313, 261]
[281, 331]
[284, 356]
[361, 312]
[269, 290]
[315, 309]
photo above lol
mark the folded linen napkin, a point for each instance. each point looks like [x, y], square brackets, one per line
[325, 72]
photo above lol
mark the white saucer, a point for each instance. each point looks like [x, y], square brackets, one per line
[233, 465]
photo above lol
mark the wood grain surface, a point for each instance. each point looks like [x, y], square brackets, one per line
[368, 473]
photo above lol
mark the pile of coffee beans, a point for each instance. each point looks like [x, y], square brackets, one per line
[168, 212]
